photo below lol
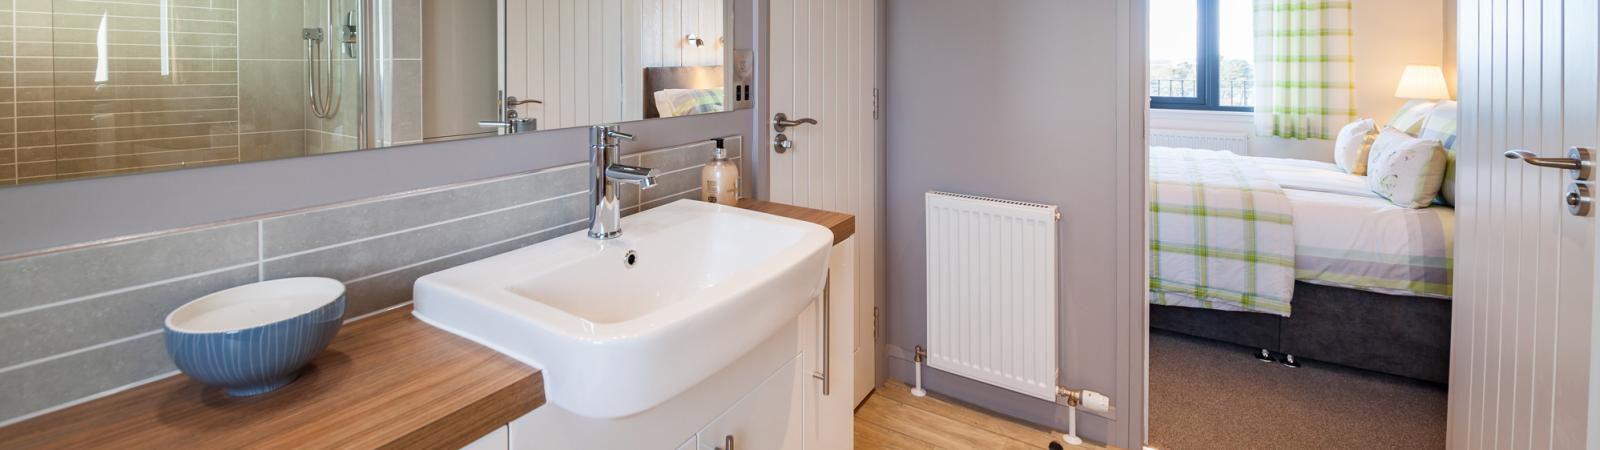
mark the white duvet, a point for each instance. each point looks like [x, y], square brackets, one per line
[1346, 235]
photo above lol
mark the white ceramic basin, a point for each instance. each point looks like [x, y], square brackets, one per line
[709, 282]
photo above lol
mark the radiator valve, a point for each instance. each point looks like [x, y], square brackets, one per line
[1086, 399]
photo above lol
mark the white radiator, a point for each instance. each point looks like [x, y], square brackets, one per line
[1236, 143]
[992, 291]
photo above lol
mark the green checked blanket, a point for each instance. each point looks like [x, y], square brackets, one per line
[1221, 233]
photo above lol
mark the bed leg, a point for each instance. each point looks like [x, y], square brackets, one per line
[1265, 356]
[1289, 361]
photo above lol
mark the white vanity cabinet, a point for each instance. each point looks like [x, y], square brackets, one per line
[830, 416]
[769, 399]
[767, 418]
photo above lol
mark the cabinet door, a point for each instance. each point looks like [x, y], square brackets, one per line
[769, 418]
[499, 439]
[832, 421]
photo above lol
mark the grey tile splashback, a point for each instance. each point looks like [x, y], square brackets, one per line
[77, 323]
[56, 277]
[301, 232]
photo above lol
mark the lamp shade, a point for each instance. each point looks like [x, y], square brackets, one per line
[1422, 82]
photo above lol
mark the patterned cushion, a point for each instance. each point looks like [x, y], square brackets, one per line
[1447, 191]
[683, 102]
[1441, 126]
[1410, 117]
[1406, 170]
[1350, 148]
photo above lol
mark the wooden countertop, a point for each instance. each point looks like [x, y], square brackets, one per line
[843, 225]
[387, 381]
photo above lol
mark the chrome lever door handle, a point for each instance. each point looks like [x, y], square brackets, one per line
[513, 101]
[781, 122]
[1579, 161]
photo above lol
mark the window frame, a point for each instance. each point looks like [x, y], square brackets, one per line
[1208, 69]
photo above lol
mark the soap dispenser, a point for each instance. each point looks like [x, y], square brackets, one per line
[719, 179]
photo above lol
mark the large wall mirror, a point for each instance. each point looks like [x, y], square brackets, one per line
[103, 88]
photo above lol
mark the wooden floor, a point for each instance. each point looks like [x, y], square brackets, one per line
[894, 419]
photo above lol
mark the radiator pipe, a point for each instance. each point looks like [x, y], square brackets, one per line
[918, 358]
[1094, 401]
[1073, 400]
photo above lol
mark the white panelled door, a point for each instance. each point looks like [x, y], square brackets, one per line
[824, 67]
[1522, 369]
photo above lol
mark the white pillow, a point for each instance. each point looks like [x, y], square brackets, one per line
[1406, 170]
[1350, 148]
[683, 102]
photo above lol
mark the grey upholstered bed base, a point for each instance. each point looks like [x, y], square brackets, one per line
[1405, 336]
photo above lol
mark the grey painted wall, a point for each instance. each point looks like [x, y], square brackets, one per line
[1017, 100]
[67, 213]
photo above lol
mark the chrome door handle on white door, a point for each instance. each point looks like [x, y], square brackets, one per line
[1579, 161]
[781, 122]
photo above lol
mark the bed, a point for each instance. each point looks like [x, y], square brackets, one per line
[683, 90]
[1357, 281]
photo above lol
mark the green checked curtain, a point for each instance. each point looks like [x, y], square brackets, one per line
[1304, 88]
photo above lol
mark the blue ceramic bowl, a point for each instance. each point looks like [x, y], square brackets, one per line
[253, 339]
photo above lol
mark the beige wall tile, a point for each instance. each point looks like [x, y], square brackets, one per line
[272, 145]
[272, 96]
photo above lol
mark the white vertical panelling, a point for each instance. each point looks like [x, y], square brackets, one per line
[566, 25]
[824, 66]
[632, 63]
[597, 55]
[689, 23]
[1521, 363]
[582, 48]
[585, 59]
[671, 42]
[992, 291]
[517, 56]
[649, 51]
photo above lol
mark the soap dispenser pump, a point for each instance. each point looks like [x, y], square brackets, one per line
[719, 179]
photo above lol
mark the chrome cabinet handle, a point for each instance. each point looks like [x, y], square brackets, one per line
[1579, 161]
[827, 335]
[727, 443]
[781, 122]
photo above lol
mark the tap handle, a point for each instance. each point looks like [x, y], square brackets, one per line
[606, 136]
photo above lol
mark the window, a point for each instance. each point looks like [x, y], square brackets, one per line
[1202, 54]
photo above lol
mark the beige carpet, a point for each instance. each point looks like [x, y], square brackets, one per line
[1210, 395]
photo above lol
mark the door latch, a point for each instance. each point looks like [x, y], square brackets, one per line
[1579, 202]
[874, 324]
